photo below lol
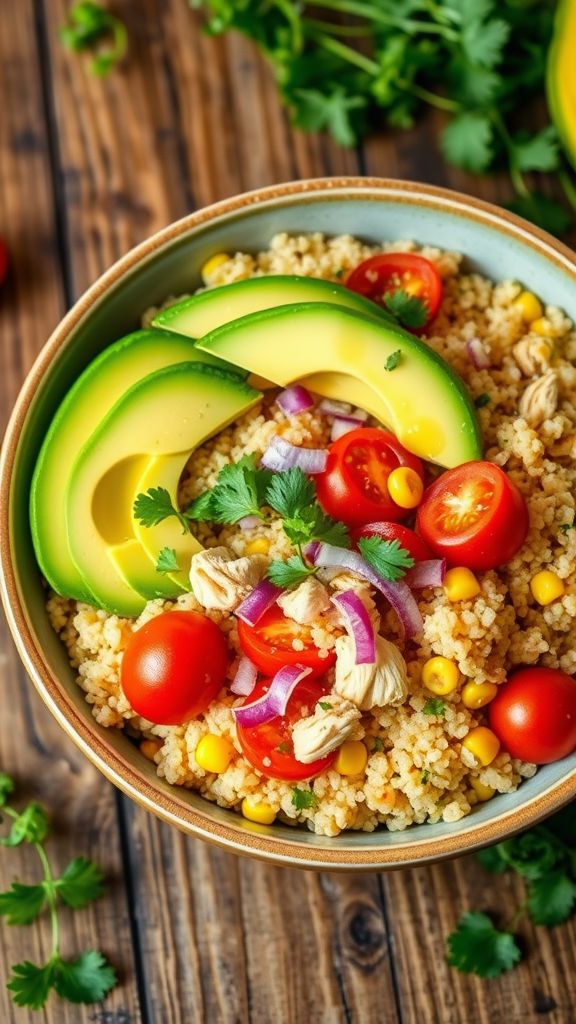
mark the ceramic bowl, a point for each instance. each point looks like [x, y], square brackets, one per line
[495, 243]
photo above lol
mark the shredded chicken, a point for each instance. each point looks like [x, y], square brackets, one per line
[533, 355]
[371, 686]
[306, 602]
[220, 580]
[540, 399]
[325, 730]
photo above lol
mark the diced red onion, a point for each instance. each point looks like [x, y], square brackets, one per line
[281, 455]
[430, 572]
[295, 399]
[478, 354]
[258, 601]
[359, 626]
[398, 594]
[249, 522]
[275, 701]
[341, 426]
[245, 679]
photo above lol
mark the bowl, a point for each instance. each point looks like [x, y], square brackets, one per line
[496, 244]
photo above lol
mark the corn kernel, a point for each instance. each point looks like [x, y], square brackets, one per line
[212, 264]
[546, 587]
[258, 811]
[460, 584]
[259, 546]
[542, 326]
[483, 744]
[405, 487]
[483, 792]
[352, 758]
[214, 753]
[478, 695]
[529, 306]
[150, 748]
[440, 675]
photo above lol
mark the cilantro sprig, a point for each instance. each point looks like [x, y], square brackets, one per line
[410, 310]
[91, 27]
[545, 857]
[89, 977]
[167, 561]
[387, 557]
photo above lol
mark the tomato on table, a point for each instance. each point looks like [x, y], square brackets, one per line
[353, 487]
[407, 538]
[389, 272]
[534, 715]
[269, 644]
[473, 516]
[269, 746]
[174, 667]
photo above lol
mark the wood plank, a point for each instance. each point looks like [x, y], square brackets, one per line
[44, 762]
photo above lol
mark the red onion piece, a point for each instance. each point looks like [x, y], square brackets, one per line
[249, 522]
[274, 702]
[258, 601]
[294, 400]
[359, 626]
[341, 426]
[398, 594]
[245, 679]
[430, 572]
[478, 354]
[281, 455]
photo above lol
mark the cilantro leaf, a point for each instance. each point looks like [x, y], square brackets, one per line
[532, 854]
[200, 508]
[409, 311]
[545, 212]
[492, 859]
[30, 985]
[167, 561]
[325, 705]
[289, 492]
[424, 778]
[154, 506]
[482, 400]
[21, 904]
[476, 947]
[6, 788]
[80, 883]
[537, 152]
[551, 898]
[293, 496]
[386, 557]
[303, 799]
[328, 530]
[483, 41]
[567, 526]
[378, 744]
[88, 25]
[467, 142]
[393, 360]
[239, 492]
[85, 980]
[435, 706]
[331, 111]
[31, 826]
[289, 573]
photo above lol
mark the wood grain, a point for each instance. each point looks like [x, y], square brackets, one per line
[201, 935]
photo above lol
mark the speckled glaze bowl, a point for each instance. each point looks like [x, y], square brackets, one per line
[496, 243]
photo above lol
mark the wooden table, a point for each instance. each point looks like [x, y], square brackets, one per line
[87, 169]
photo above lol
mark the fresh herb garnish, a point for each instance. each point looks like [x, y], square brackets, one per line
[303, 799]
[387, 557]
[325, 705]
[239, 492]
[409, 310]
[84, 980]
[293, 496]
[377, 744]
[567, 526]
[167, 561]
[481, 400]
[424, 777]
[476, 947]
[89, 24]
[435, 706]
[393, 360]
[154, 506]
[289, 573]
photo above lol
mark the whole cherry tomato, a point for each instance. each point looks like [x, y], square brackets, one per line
[174, 666]
[391, 272]
[269, 644]
[534, 715]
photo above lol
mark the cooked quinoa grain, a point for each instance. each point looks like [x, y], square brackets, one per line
[417, 770]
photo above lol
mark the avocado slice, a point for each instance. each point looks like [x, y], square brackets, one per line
[101, 384]
[421, 400]
[168, 413]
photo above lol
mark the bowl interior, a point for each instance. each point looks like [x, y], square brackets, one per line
[169, 265]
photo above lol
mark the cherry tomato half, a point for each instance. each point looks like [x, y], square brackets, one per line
[534, 715]
[408, 539]
[353, 487]
[269, 644]
[398, 271]
[269, 747]
[174, 666]
[473, 516]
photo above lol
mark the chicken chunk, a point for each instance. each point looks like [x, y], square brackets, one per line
[306, 602]
[220, 580]
[371, 686]
[321, 733]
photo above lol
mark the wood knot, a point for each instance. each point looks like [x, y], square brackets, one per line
[543, 1003]
[367, 936]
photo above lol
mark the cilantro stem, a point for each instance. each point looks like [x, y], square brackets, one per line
[516, 177]
[372, 13]
[568, 187]
[338, 30]
[441, 102]
[50, 899]
[346, 53]
[513, 922]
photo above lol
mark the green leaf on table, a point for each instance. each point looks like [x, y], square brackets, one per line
[532, 854]
[80, 883]
[492, 859]
[6, 788]
[85, 980]
[546, 213]
[21, 904]
[467, 142]
[334, 111]
[483, 41]
[477, 947]
[551, 898]
[30, 985]
[537, 152]
[31, 826]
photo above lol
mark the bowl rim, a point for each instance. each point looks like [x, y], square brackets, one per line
[257, 841]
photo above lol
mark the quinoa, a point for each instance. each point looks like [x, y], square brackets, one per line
[417, 770]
